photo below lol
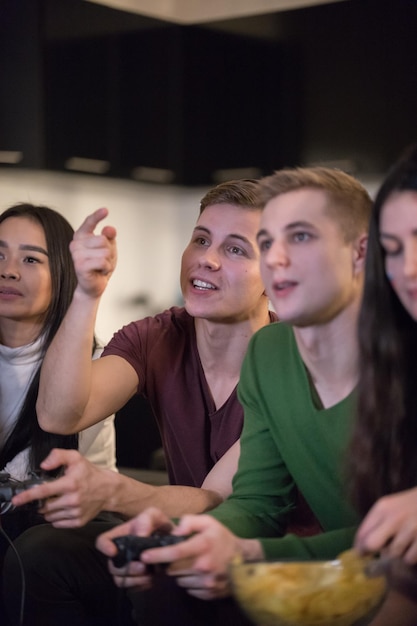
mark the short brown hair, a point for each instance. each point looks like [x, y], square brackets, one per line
[349, 202]
[243, 193]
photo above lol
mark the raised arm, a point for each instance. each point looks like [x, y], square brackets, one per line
[70, 392]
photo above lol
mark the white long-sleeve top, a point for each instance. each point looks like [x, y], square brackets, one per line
[17, 368]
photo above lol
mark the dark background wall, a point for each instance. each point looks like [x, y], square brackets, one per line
[327, 83]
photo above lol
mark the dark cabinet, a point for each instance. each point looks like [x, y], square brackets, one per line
[159, 101]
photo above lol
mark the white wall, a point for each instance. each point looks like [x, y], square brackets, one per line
[153, 222]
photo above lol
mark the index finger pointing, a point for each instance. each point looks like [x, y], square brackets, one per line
[90, 222]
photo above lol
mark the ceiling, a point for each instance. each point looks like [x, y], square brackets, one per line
[200, 11]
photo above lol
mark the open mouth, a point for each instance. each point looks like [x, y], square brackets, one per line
[283, 285]
[203, 285]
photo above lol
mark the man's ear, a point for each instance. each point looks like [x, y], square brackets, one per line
[359, 253]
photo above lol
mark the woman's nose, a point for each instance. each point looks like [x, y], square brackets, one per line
[8, 271]
[410, 260]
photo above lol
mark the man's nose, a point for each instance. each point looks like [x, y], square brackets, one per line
[277, 255]
[210, 258]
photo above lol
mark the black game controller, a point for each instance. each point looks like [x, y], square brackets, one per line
[130, 547]
[10, 487]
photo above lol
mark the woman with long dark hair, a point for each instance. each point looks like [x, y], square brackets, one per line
[37, 281]
[384, 444]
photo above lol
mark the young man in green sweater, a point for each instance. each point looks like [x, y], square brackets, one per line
[297, 388]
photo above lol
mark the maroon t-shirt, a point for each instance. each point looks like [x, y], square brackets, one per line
[163, 351]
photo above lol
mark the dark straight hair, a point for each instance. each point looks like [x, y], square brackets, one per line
[58, 235]
[383, 456]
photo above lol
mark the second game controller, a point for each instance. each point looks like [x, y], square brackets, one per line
[130, 547]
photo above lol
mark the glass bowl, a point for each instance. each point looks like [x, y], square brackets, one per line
[308, 593]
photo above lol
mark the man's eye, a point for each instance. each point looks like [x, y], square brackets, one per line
[264, 245]
[236, 250]
[301, 237]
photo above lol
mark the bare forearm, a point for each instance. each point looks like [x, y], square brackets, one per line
[65, 380]
[129, 497]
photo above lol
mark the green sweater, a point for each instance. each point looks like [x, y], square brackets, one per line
[288, 441]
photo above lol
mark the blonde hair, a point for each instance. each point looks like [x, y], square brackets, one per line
[348, 201]
[244, 193]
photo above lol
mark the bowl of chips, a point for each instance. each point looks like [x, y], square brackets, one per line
[342, 592]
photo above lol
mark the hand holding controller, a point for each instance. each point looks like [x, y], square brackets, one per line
[10, 487]
[130, 547]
